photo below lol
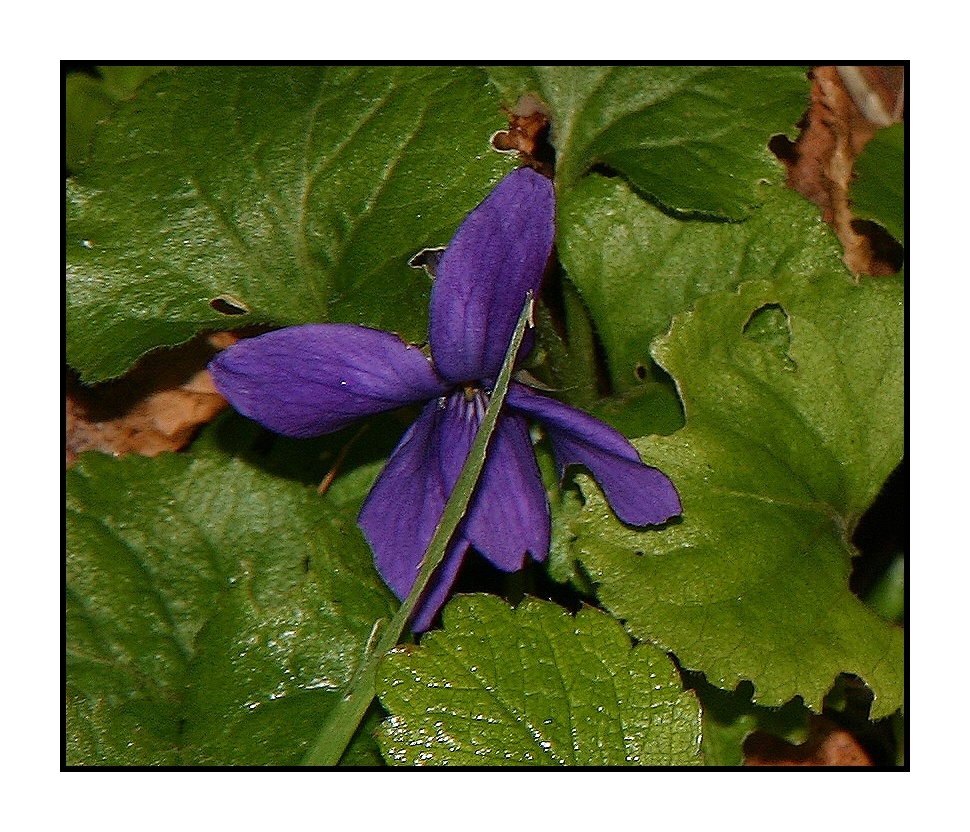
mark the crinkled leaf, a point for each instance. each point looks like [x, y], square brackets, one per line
[214, 611]
[222, 196]
[637, 267]
[878, 189]
[693, 138]
[779, 458]
[534, 686]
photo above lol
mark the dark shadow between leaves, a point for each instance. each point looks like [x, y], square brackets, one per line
[309, 461]
[607, 172]
[881, 536]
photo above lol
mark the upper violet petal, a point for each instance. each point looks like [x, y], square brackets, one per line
[509, 513]
[497, 255]
[403, 509]
[639, 494]
[317, 378]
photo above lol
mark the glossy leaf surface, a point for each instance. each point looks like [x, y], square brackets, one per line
[534, 686]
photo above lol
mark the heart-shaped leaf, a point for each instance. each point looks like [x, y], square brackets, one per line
[222, 196]
[793, 393]
[694, 138]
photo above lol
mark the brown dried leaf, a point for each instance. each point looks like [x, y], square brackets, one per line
[848, 105]
[528, 134]
[827, 745]
[156, 407]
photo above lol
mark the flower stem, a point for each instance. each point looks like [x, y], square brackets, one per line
[342, 722]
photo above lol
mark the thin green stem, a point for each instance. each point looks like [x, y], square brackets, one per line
[346, 715]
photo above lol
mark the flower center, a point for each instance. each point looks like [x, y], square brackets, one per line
[471, 401]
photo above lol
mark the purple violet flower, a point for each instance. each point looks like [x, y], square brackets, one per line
[313, 379]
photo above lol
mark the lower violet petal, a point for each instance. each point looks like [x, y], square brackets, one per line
[509, 515]
[639, 494]
[317, 378]
[403, 509]
[439, 587]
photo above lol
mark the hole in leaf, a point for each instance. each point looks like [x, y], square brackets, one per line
[887, 255]
[769, 326]
[640, 372]
[427, 259]
[226, 304]
[785, 149]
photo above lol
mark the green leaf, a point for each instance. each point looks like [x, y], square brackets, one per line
[636, 267]
[887, 597]
[88, 100]
[85, 103]
[223, 196]
[779, 458]
[534, 686]
[693, 138]
[730, 717]
[214, 612]
[121, 81]
[564, 355]
[878, 189]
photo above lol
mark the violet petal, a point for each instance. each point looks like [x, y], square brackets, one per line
[639, 494]
[497, 255]
[403, 509]
[317, 378]
[509, 514]
[439, 588]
